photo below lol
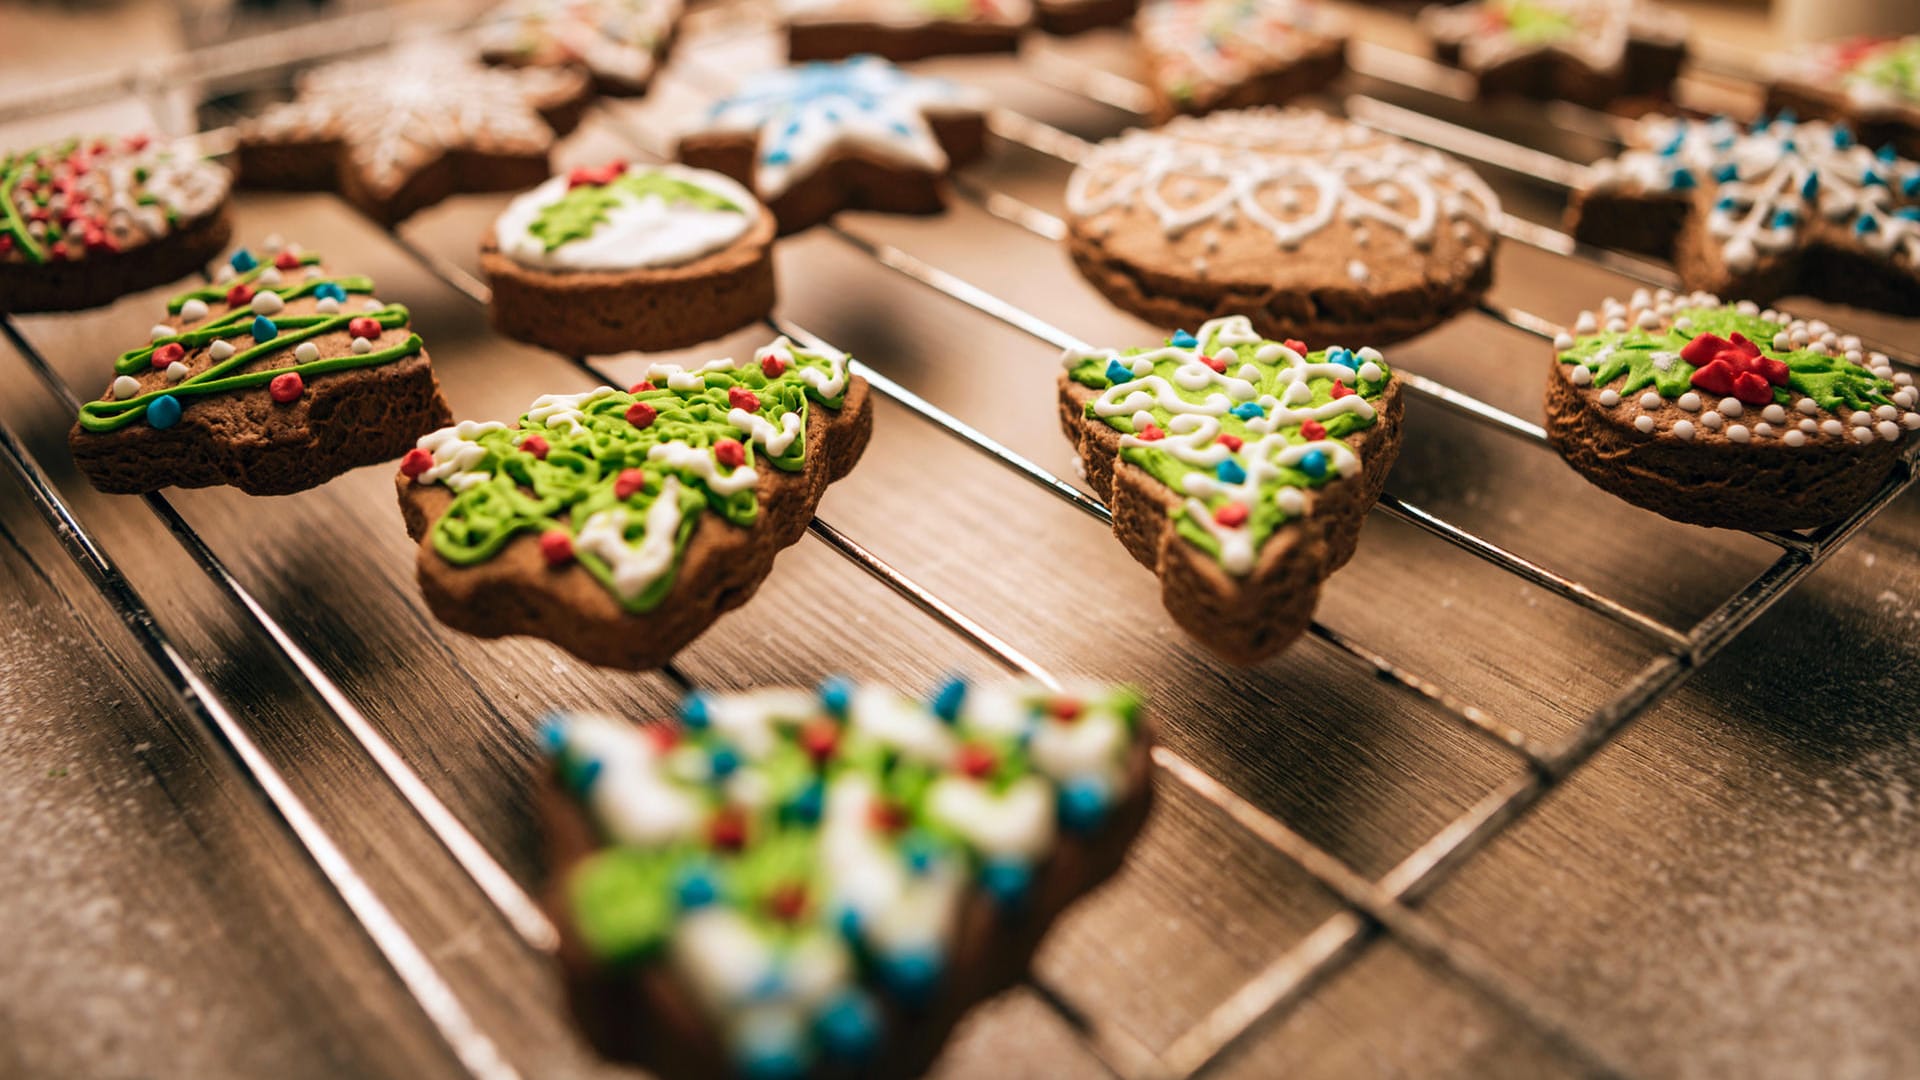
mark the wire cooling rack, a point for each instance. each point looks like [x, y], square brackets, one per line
[1371, 907]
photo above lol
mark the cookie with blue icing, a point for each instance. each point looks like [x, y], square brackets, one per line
[793, 883]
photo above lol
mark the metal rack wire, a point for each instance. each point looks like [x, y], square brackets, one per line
[1387, 905]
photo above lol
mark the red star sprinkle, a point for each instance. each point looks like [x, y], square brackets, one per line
[730, 453]
[287, 259]
[165, 355]
[556, 547]
[239, 295]
[1232, 442]
[641, 415]
[976, 761]
[744, 399]
[535, 445]
[1217, 363]
[1297, 345]
[287, 387]
[1313, 429]
[628, 482]
[364, 327]
[772, 366]
[1150, 433]
[1341, 389]
[137, 142]
[1232, 515]
[415, 462]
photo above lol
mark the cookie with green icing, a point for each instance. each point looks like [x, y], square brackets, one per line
[619, 257]
[792, 883]
[1726, 414]
[618, 524]
[1238, 468]
[619, 43]
[1871, 84]
[1592, 52]
[84, 221]
[278, 376]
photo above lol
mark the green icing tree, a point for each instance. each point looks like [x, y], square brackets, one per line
[584, 208]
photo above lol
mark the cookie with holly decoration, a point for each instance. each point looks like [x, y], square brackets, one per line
[619, 524]
[1592, 52]
[1777, 208]
[279, 376]
[85, 221]
[1238, 469]
[621, 257]
[1872, 84]
[857, 134]
[790, 883]
[619, 43]
[1203, 55]
[401, 131]
[1726, 414]
[902, 30]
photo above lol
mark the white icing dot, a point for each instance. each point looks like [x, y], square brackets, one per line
[1730, 406]
[193, 310]
[267, 303]
[1903, 398]
[269, 277]
[327, 306]
[1581, 376]
[361, 346]
[1609, 397]
[306, 352]
[160, 331]
[1773, 414]
[1711, 420]
[1886, 412]
[1370, 372]
[1738, 433]
[1563, 341]
[314, 272]
[1747, 307]
[370, 304]
[176, 371]
[124, 387]
[1888, 430]
[1762, 428]
[1807, 406]
[1833, 427]
[1863, 434]
[1649, 400]
[1782, 343]
[1644, 423]
[1795, 438]
[1861, 418]
[1683, 428]
[1689, 401]
[1648, 320]
[224, 274]
[1585, 324]
[1358, 271]
[1616, 326]
[1685, 326]
[273, 243]
[220, 350]
[1292, 501]
[1910, 420]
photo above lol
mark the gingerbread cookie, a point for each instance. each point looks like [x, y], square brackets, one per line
[1872, 84]
[1778, 208]
[1069, 17]
[279, 376]
[902, 29]
[1203, 55]
[857, 134]
[1311, 226]
[794, 884]
[1592, 52]
[1238, 469]
[619, 524]
[402, 131]
[620, 257]
[85, 221]
[1725, 414]
[618, 42]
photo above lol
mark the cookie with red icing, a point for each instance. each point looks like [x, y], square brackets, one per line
[1871, 83]
[618, 43]
[1592, 52]
[1203, 55]
[902, 30]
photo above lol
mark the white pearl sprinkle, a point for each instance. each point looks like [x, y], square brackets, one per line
[1711, 420]
[193, 310]
[1747, 307]
[1649, 400]
[1585, 324]
[1863, 434]
[224, 274]
[1910, 420]
[1861, 418]
[160, 331]
[1563, 341]
[124, 387]
[1685, 326]
[1782, 343]
[327, 306]
[1738, 432]
[1644, 423]
[1773, 414]
[1888, 430]
[1809, 426]
[1648, 320]
[1807, 406]
[1683, 428]
[1730, 406]
[1833, 427]
[371, 305]
[269, 277]
[306, 352]
[361, 346]
[1616, 326]
[1886, 412]
[220, 350]
[1581, 376]
[176, 371]
[1795, 438]
[267, 303]
[1689, 401]
[1762, 429]
[1609, 397]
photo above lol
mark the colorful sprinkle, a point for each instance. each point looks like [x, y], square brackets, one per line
[287, 387]
[163, 412]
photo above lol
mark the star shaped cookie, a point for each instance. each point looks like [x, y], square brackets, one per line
[1587, 51]
[1204, 55]
[618, 42]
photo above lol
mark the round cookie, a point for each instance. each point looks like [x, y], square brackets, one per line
[1203, 55]
[1724, 414]
[85, 221]
[618, 43]
[1870, 83]
[629, 257]
[1311, 226]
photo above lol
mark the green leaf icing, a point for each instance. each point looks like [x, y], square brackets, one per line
[620, 477]
[796, 857]
[1895, 67]
[585, 206]
[1266, 395]
[1532, 23]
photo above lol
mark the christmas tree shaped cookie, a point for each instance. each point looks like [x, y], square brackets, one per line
[1204, 55]
[1726, 414]
[619, 524]
[279, 376]
[1592, 52]
[619, 43]
[1781, 207]
[1872, 84]
[1238, 468]
[902, 30]
[796, 884]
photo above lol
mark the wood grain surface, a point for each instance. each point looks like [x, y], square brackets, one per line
[1726, 890]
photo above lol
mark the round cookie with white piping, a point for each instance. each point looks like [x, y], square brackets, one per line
[1310, 226]
[1727, 415]
[623, 257]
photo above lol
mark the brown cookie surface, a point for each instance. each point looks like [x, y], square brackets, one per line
[1591, 52]
[899, 864]
[629, 257]
[620, 524]
[1727, 415]
[618, 43]
[278, 377]
[87, 220]
[1204, 55]
[1238, 469]
[1781, 207]
[1311, 226]
[1068, 17]
[902, 30]
[857, 134]
[1871, 84]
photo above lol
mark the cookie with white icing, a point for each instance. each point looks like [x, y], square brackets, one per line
[619, 43]
[619, 524]
[1592, 52]
[1203, 55]
[1777, 208]
[1726, 414]
[1872, 84]
[856, 134]
[1239, 469]
[278, 376]
[86, 220]
[623, 257]
[1311, 226]
[801, 884]
[902, 29]
[402, 131]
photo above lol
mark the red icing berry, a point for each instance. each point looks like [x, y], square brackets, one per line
[1150, 433]
[601, 174]
[772, 366]
[742, 398]
[59, 249]
[165, 355]
[820, 738]
[136, 142]
[1734, 368]
[730, 453]
[1232, 442]
[287, 259]
[788, 901]
[6, 243]
[976, 761]
[887, 816]
[641, 386]
[628, 482]
[415, 462]
[641, 415]
[1313, 429]
[1066, 708]
[239, 295]
[1216, 363]
[287, 387]
[1341, 389]
[1232, 515]
[535, 445]
[728, 829]
[1296, 345]
[364, 327]
[556, 546]
[663, 736]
